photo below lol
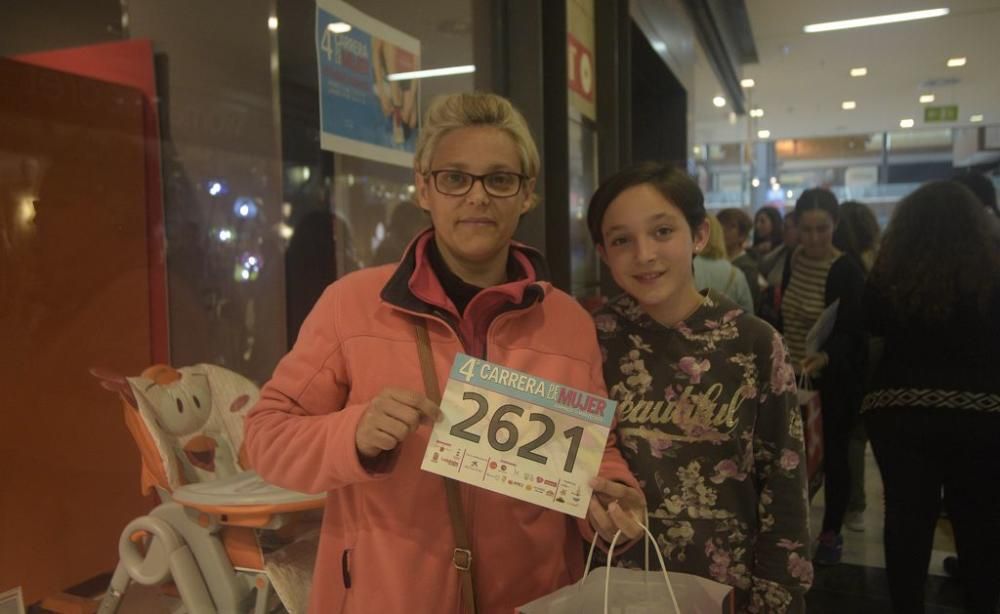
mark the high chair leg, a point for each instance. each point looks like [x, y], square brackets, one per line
[116, 590]
[263, 595]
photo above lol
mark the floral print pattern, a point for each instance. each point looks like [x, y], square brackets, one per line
[709, 424]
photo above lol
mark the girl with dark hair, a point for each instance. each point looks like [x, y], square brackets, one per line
[708, 420]
[766, 231]
[933, 408]
[819, 277]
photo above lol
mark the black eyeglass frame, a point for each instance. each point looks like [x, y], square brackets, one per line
[521, 178]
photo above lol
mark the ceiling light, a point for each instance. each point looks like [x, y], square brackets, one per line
[848, 105]
[758, 112]
[774, 180]
[659, 46]
[748, 83]
[906, 123]
[432, 72]
[719, 101]
[755, 182]
[877, 20]
[763, 134]
[860, 71]
[956, 62]
[272, 23]
[339, 27]
[926, 98]
[696, 150]
[789, 194]
[976, 118]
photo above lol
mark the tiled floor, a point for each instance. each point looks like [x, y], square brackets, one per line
[857, 586]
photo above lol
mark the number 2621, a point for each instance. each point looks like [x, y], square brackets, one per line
[498, 423]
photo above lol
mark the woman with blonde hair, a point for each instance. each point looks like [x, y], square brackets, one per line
[347, 412]
[712, 269]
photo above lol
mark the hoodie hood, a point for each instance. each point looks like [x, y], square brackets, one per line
[717, 312]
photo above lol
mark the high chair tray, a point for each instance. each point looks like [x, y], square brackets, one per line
[244, 490]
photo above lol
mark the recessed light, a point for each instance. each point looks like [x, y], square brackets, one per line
[788, 194]
[272, 23]
[758, 112]
[774, 180]
[876, 20]
[976, 118]
[748, 83]
[719, 101]
[763, 134]
[755, 182]
[956, 62]
[848, 105]
[860, 71]
[906, 123]
[926, 98]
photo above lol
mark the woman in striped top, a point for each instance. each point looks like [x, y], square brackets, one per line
[818, 277]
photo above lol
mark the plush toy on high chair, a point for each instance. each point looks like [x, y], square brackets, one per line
[224, 539]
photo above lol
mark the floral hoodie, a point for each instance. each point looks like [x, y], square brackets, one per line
[708, 423]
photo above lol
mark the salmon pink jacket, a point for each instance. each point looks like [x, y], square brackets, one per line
[386, 544]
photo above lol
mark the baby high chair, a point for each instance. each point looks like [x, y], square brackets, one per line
[222, 538]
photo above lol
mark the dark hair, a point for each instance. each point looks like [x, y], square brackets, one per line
[672, 183]
[982, 187]
[858, 230]
[736, 217]
[939, 249]
[817, 199]
[775, 216]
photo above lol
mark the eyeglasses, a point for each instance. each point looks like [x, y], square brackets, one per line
[500, 184]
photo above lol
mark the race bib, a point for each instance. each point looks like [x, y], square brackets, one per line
[519, 435]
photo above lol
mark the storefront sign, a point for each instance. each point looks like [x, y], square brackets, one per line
[582, 70]
[362, 112]
[519, 435]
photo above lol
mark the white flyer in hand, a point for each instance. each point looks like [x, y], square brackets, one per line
[519, 435]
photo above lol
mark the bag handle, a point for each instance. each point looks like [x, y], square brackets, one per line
[462, 556]
[611, 553]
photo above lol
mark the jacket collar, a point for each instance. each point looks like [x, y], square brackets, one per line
[414, 286]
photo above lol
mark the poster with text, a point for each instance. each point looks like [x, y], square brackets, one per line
[364, 110]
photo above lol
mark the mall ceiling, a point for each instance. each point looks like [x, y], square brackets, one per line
[802, 80]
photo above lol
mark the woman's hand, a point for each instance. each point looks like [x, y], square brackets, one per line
[814, 363]
[390, 418]
[616, 506]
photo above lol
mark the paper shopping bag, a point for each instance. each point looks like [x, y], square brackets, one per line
[812, 425]
[616, 590]
[633, 591]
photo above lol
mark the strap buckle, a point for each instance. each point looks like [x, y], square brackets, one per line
[462, 559]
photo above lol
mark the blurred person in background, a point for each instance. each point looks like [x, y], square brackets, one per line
[772, 268]
[736, 225]
[712, 270]
[821, 277]
[857, 235]
[767, 231]
[932, 410]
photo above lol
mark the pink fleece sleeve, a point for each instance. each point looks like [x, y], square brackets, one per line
[300, 434]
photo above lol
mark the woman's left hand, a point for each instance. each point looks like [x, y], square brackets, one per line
[616, 507]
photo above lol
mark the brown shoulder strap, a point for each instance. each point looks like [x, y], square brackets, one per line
[462, 558]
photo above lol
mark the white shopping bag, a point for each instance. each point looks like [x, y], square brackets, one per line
[614, 590]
